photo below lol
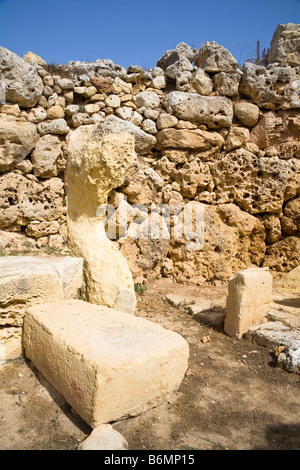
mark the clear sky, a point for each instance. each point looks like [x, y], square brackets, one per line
[137, 32]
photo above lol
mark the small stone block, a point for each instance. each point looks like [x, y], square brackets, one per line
[248, 301]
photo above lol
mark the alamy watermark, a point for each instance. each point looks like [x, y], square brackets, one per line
[155, 222]
[2, 92]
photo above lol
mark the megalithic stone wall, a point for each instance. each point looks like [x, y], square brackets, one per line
[207, 130]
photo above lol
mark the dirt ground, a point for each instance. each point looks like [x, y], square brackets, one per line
[233, 395]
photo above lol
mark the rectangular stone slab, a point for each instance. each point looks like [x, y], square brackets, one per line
[107, 364]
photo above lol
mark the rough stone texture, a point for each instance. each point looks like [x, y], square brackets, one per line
[248, 301]
[47, 157]
[34, 203]
[172, 56]
[214, 111]
[278, 134]
[143, 141]
[276, 87]
[201, 82]
[17, 139]
[23, 85]
[289, 359]
[285, 45]
[27, 280]
[56, 126]
[291, 280]
[98, 161]
[290, 222]
[189, 139]
[283, 255]
[272, 335]
[227, 84]
[247, 113]
[213, 57]
[233, 240]
[257, 184]
[119, 366]
[104, 437]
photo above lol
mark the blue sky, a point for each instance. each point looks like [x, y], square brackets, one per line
[135, 32]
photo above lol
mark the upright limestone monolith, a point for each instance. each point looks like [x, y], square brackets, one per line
[98, 162]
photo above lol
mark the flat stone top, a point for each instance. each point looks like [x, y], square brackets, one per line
[18, 265]
[103, 335]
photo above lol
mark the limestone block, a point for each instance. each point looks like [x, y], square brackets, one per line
[257, 184]
[98, 162]
[189, 139]
[107, 364]
[34, 203]
[214, 111]
[275, 87]
[56, 126]
[285, 45]
[23, 85]
[291, 280]
[248, 301]
[17, 139]
[213, 57]
[33, 58]
[47, 157]
[27, 280]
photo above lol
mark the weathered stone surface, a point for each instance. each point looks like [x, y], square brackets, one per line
[42, 229]
[17, 139]
[34, 203]
[285, 45]
[147, 99]
[248, 301]
[201, 82]
[143, 142]
[47, 157]
[213, 57]
[290, 222]
[227, 84]
[26, 280]
[275, 87]
[23, 85]
[257, 184]
[283, 255]
[56, 126]
[166, 121]
[247, 113]
[237, 137]
[291, 280]
[233, 240]
[289, 359]
[272, 335]
[172, 56]
[33, 58]
[119, 366]
[189, 139]
[214, 111]
[98, 162]
[278, 134]
[104, 437]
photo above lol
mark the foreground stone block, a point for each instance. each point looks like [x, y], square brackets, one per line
[104, 437]
[248, 301]
[107, 364]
